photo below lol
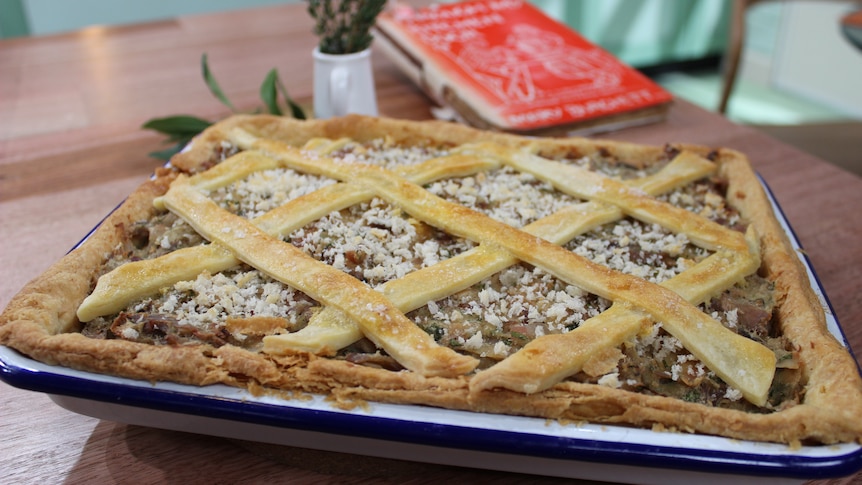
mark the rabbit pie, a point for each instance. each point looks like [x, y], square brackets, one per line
[429, 263]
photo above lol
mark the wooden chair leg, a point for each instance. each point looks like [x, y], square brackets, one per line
[734, 51]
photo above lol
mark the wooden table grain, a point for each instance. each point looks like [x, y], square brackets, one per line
[71, 148]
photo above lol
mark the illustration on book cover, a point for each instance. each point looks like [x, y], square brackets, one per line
[533, 64]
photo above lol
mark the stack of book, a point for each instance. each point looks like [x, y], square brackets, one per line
[505, 65]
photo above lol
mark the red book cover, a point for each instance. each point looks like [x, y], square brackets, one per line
[504, 64]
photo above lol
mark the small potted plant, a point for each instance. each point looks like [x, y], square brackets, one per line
[344, 26]
[343, 79]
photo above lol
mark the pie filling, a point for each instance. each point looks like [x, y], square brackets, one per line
[377, 242]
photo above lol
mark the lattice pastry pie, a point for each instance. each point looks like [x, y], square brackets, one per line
[433, 264]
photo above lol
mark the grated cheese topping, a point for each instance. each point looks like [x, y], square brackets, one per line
[514, 198]
[384, 153]
[375, 242]
[210, 299]
[503, 313]
[645, 250]
[263, 191]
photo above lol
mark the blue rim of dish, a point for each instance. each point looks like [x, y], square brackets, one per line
[448, 435]
[434, 434]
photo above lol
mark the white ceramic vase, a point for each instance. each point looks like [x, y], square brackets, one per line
[343, 83]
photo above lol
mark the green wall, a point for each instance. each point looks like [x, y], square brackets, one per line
[640, 32]
[648, 32]
[13, 20]
[41, 17]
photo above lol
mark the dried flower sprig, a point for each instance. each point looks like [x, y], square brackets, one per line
[344, 26]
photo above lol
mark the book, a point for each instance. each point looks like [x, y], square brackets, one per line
[505, 65]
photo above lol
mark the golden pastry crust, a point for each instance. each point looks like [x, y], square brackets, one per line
[43, 320]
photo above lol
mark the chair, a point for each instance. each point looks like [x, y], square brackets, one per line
[839, 142]
[736, 42]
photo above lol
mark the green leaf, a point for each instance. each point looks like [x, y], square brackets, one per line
[295, 109]
[167, 153]
[213, 85]
[180, 130]
[269, 90]
[269, 93]
[180, 125]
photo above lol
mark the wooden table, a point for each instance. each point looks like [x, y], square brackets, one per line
[71, 148]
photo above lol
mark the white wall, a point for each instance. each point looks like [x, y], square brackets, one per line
[798, 48]
[815, 60]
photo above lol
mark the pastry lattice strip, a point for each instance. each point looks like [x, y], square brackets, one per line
[717, 347]
[402, 193]
[566, 353]
[138, 279]
[329, 330]
[379, 320]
